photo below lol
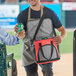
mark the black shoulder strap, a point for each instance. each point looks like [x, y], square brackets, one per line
[40, 22]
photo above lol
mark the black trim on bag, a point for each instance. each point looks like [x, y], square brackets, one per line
[41, 51]
[51, 51]
[44, 61]
[38, 27]
[34, 52]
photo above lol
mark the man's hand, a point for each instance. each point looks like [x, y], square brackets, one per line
[58, 40]
[21, 34]
[16, 28]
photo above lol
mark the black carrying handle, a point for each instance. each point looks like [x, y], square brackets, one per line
[43, 53]
[40, 22]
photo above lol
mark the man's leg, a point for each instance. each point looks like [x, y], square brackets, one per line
[47, 69]
[31, 70]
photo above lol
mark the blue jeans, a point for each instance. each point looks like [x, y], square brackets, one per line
[31, 70]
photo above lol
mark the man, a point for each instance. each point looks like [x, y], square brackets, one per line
[8, 39]
[30, 19]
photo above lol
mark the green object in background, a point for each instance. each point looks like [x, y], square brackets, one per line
[3, 53]
[63, 15]
[9, 63]
[6, 61]
[63, 20]
[20, 25]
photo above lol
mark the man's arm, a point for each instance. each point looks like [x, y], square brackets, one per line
[8, 39]
[60, 37]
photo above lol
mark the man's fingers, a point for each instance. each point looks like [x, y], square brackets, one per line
[57, 43]
[57, 40]
[23, 26]
[21, 34]
[16, 28]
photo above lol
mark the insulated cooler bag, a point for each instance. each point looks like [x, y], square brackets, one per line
[46, 51]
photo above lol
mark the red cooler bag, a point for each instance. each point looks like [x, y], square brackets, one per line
[46, 51]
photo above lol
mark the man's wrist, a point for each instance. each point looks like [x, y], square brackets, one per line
[62, 37]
